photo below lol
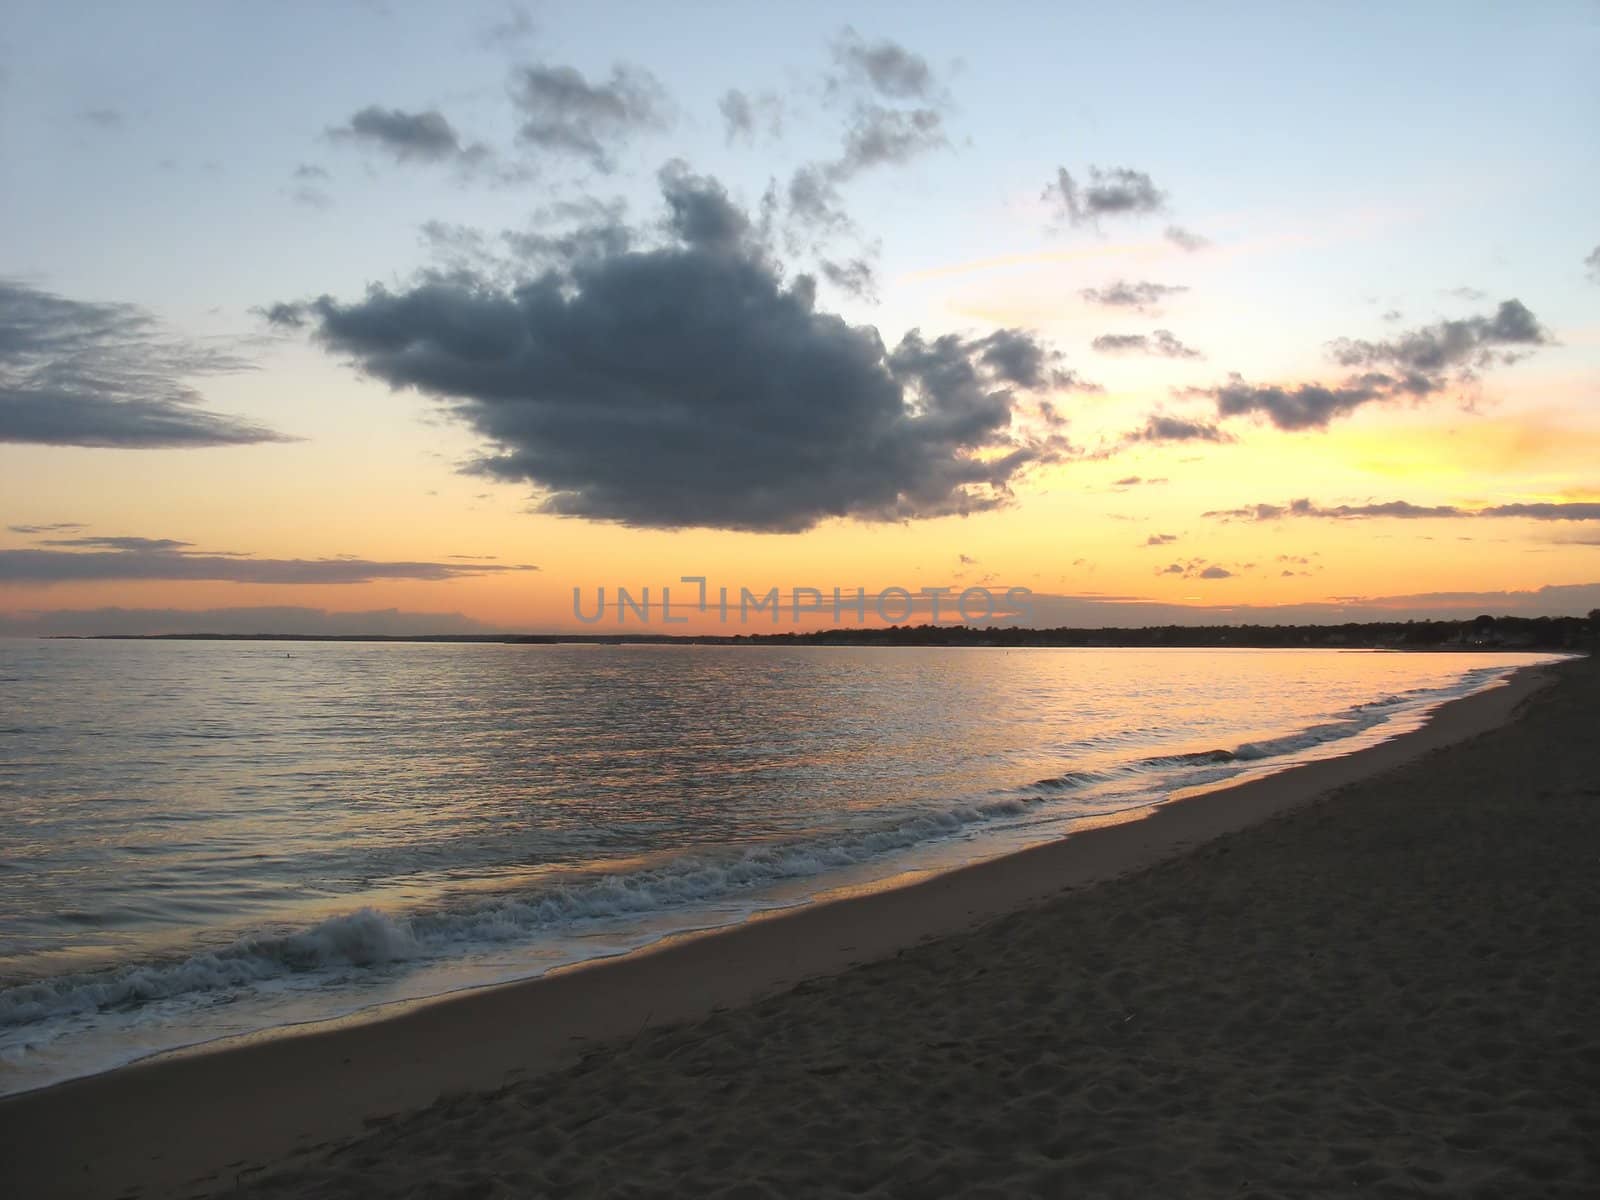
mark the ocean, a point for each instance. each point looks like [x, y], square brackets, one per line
[202, 840]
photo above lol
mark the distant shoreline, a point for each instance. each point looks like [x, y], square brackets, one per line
[1576, 634]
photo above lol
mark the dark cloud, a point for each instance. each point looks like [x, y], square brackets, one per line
[409, 137]
[291, 620]
[563, 113]
[1123, 294]
[117, 543]
[283, 316]
[692, 385]
[746, 117]
[1136, 480]
[103, 118]
[1544, 512]
[1195, 568]
[876, 137]
[1304, 406]
[1426, 354]
[854, 276]
[509, 255]
[307, 172]
[1161, 428]
[74, 373]
[1186, 240]
[1417, 364]
[1161, 343]
[814, 203]
[1161, 539]
[58, 527]
[883, 66]
[880, 136]
[895, 109]
[1405, 510]
[1592, 262]
[1111, 192]
[164, 559]
[699, 213]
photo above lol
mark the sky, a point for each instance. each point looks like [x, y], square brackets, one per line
[395, 318]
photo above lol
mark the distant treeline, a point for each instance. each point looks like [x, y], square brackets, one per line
[1482, 633]
[1485, 632]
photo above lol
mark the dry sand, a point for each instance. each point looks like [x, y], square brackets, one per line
[1391, 990]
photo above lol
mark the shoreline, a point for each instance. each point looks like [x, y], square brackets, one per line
[1251, 752]
[194, 1119]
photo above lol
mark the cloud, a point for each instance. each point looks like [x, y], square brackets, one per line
[895, 114]
[691, 384]
[129, 559]
[292, 620]
[1405, 510]
[117, 543]
[1413, 365]
[58, 527]
[425, 137]
[1592, 262]
[516, 27]
[1161, 428]
[1112, 192]
[1186, 240]
[1195, 568]
[1161, 539]
[1123, 294]
[1425, 354]
[884, 66]
[880, 136]
[1160, 343]
[854, 276]
[103, 118]
[700, 214]
[746, 117]
[1544, 512]
[814, 203]
[74, 373]
[563, 113]
[1305, 406]
[308, 191]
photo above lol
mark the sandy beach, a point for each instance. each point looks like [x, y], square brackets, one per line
[1374, 975]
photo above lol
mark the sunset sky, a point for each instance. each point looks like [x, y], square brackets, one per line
[382, 317]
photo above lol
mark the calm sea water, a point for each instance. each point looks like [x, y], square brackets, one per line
[200, 840]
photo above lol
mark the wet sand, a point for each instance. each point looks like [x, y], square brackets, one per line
[1376, 975]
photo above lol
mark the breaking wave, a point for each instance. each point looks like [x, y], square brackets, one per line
[369, 938]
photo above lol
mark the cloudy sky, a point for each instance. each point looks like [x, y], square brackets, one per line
[390, 317]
